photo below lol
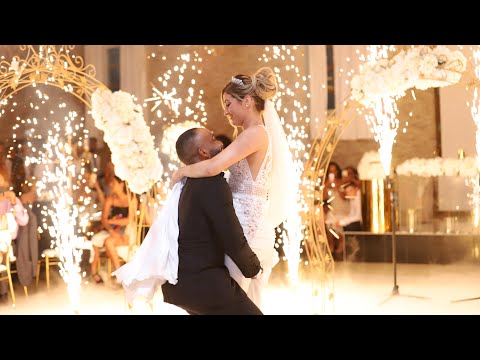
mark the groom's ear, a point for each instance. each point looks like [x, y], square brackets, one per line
[203, 153]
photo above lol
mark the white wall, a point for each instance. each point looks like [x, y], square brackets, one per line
[133, 77]
[317, 67]
[457, 132]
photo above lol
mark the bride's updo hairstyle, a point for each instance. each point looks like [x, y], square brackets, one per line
[260, 86]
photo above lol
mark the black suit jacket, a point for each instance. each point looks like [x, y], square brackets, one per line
[209, 229]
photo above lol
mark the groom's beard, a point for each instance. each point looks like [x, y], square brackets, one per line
[215, 152]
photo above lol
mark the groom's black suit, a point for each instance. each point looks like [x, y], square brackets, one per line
[209, 229]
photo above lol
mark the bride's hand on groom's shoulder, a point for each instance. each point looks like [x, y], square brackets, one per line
[176, 177]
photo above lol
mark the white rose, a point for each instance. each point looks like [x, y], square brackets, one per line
[122, 135]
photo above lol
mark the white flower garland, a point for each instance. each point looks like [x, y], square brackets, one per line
[370, 166]
[466, 167]
[421, 67]
[128, 137]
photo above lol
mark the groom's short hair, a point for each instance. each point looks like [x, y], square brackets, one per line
[187, 146]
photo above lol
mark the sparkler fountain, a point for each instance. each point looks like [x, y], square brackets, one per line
[293, 112]
[64, 213]
[383, 81]
[176, 95]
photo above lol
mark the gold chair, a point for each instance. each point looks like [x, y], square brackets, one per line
[6, 274]
[50, 258]
[103, 257]
[6, 269]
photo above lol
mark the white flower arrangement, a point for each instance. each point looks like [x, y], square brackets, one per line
[466, 167]
[128, 137]
[370, 166]
[420, 67]
[171, 134]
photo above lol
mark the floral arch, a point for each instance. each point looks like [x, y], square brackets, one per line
[421, 67]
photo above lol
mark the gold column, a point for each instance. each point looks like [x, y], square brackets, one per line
[376, 206]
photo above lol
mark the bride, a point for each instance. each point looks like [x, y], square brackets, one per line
[261, 179]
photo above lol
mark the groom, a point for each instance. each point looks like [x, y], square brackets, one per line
[209, 229]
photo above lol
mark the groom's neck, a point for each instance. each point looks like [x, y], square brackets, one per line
[198, 159]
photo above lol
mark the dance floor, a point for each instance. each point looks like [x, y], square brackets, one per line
[359, 288]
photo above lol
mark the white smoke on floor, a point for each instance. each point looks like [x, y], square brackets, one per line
[360, 288]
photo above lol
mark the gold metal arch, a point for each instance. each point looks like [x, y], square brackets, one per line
[318, 253]
[49, 65]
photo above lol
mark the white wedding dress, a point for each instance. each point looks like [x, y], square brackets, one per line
[251, 203]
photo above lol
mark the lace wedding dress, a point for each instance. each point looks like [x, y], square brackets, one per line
[251, 203]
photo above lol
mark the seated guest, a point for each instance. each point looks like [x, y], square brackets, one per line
[352, 221]
[10, 204]
[12, 214]
[334, 175]
[115, 221]
[350, 175]
[338, 207]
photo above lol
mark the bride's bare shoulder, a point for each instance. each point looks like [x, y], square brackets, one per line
[257, 133]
